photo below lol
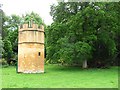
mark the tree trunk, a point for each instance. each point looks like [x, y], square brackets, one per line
[85, 64]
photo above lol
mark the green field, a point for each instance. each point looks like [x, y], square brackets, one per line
[61, 77]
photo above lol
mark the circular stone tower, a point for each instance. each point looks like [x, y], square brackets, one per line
[31, 48]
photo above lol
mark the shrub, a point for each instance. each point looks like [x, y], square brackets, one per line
[3, 62]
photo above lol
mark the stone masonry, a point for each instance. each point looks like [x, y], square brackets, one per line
[31, 48]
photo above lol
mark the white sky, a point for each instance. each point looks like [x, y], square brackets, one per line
[19, 7]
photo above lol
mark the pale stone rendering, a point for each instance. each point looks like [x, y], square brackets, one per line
[31, 48]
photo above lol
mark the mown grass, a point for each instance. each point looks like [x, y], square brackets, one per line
[61, 77]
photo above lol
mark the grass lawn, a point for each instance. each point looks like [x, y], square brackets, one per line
[61, 77]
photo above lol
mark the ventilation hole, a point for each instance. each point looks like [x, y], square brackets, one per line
[38, 53]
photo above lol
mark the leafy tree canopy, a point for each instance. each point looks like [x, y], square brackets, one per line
[83, 31]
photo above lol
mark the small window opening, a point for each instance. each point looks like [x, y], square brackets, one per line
[38, 53]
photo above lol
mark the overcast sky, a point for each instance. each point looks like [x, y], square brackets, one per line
[19, 7]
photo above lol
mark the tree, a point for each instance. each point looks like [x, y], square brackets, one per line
[10, 36]
[1, 42]
[8, 53]
[1, 47]
[82, 31]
